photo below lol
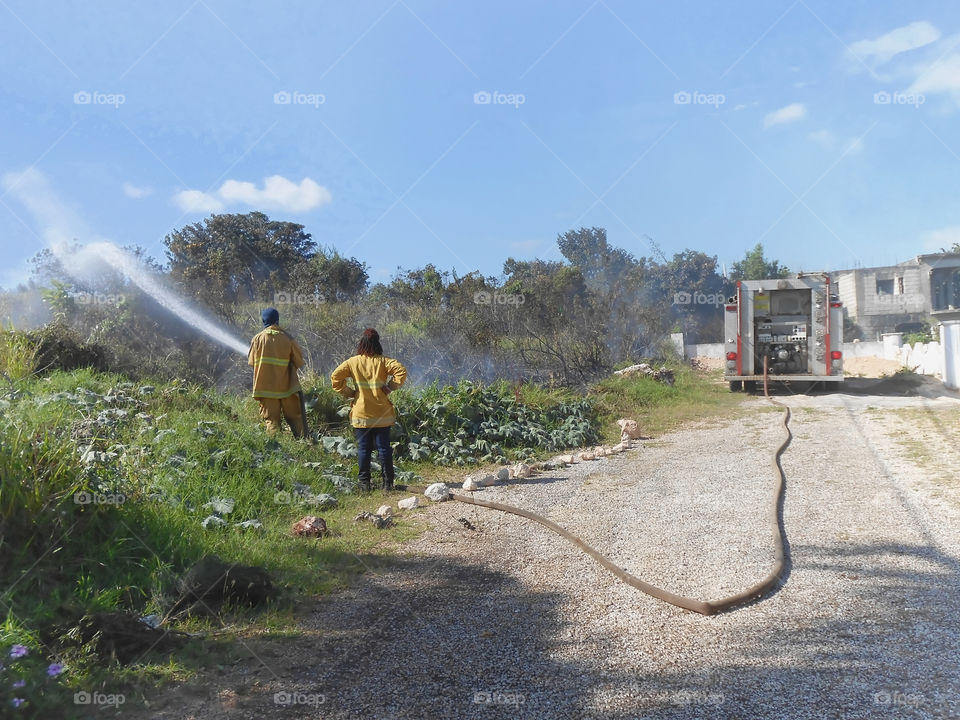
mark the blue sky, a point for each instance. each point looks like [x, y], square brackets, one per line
[827, 131]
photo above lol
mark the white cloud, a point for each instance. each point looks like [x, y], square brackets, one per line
[944, 238]
[830, 141]
[823, 137]
[197, 201]
[135, 192]
[790, 113]
[277, 193]
[902, 39]
[941, 77]
[854, 147]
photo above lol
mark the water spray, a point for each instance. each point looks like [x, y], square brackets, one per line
[141, 276]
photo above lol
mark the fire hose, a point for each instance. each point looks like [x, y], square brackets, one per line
[704, 607]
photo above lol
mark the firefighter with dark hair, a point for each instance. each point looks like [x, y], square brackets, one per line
[275, 358]
[372, 414]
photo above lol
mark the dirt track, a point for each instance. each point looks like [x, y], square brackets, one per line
[509, 621]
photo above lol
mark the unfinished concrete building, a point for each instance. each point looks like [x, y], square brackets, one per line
[900, 298]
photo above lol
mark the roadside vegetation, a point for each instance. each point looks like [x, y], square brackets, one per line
[110, 488]
[129, 450]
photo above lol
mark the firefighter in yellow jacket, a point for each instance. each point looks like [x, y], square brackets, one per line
[372, 414]
[275, 358]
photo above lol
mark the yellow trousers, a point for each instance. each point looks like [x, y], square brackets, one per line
[273, 410]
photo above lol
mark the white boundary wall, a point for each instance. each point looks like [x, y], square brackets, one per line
[923, 358]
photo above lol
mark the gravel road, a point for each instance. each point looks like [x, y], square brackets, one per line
[508, 620]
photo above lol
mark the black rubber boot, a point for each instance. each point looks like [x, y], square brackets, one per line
[364, 481]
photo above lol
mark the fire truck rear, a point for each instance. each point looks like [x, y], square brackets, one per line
[790, 328]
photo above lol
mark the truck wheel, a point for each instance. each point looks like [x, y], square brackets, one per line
[749, 386]
[735, 386]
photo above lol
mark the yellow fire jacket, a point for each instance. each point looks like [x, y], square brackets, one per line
[275, 358]
[371, 406]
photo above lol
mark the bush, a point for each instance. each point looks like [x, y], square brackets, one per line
[924, 335]
[60, 348]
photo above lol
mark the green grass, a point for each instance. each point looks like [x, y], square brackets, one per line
[158, 455]
[17, 355]
[162, 452]
[658, 407]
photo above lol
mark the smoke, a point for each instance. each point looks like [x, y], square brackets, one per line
[23, 308]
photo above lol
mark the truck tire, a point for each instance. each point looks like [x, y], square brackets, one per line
[735, 386]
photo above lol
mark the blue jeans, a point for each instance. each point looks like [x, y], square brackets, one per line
[367, 438]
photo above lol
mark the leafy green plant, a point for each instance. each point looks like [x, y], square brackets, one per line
[471, 422]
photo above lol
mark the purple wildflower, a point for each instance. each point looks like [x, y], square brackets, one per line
[20, 683]
[55, 669]
[18, 651]
[17, 702]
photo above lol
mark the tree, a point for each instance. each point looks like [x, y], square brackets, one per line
[695, 290]
[330, 275]
[602, 264]
[755, 267]
[229, 258]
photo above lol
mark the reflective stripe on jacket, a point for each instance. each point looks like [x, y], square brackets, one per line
[371, 406]
[275, 358]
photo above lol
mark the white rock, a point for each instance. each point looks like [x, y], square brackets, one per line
[628, 429]
[409, 503]
[521, 471]
[384, 511]
[437, 492]
[212, 521]
[469, 484]
[504, 474]
[587, 456]
[568, 459]
[487, 480]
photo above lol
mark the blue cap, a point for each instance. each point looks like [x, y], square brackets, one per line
[270, 316]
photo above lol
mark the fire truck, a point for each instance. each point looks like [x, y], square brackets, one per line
[787, 329]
